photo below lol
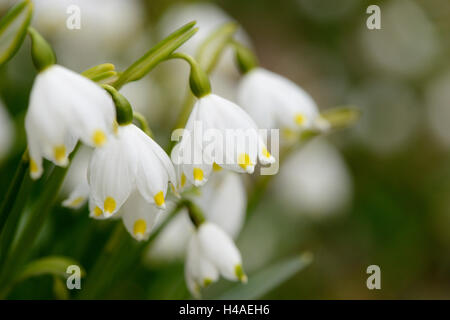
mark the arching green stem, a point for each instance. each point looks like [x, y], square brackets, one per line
[198, 79]
[143, 123]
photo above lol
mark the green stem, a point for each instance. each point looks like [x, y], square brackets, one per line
[195, 213]
[143, 124]
[208, 56]
[12, 223]
[198, 78]
[13, 191]
[38, 216]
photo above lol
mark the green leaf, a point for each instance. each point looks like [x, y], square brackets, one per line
[53, 265]
[157, 54]
[341, 117]
[209, 52]
[268, 279]
[60, 289]
[13, 29]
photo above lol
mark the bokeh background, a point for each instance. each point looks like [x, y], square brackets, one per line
[377, 193]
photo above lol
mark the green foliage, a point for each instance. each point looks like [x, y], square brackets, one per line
[53, 265]
[155, 55]
[267, 279]
[13, 29]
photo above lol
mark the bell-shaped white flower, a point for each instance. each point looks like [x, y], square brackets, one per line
[223, 201]
[132, 161]
[64, 107]
[211, 252]
[218, 131]
[275, 102]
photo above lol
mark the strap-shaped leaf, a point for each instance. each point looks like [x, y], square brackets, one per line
[267, 279]
[60, 289]
[13, 29]
[157, 54]
[210, 50]
[53, 265]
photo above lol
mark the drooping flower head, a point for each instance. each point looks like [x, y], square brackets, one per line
[211, 253]
[132, 161]
[219, 133]
[223, 201]
[276, 102]
[65, 107]
[138, 214]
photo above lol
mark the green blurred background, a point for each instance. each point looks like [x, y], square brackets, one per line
[378, 193]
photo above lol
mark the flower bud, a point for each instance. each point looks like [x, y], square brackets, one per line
[199, 81]
[124, 112]
[41, 52]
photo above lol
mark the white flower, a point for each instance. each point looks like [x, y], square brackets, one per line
[64, 107]
[6, 131]
[234, 143]
[276, 102]
[222, 200]
[137, 214]
[132, 161]
[211, 252]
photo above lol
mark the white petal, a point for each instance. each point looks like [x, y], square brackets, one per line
[152, 176]
[78, 196]
[218, 248]
[34, 150]
[45, 124]
[189, 153]
[276, 102]
[192, 266]
[139, 216]
[89, 111]
[238, 129]
[264, 155]
[112, 172]
[206, 272]
[182, 181]
[95, 211]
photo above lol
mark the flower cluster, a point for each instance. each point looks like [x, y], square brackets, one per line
[127, 174]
